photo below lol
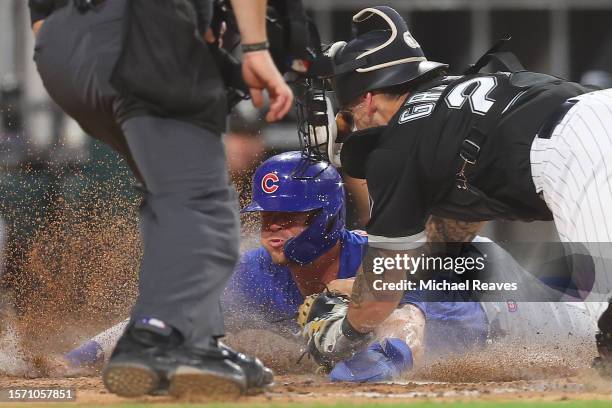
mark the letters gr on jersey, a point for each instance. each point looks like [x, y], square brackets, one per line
[268, 183]
[421, 104]
[476, 91]
[416, 112]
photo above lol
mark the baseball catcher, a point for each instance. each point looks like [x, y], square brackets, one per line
[442, 154]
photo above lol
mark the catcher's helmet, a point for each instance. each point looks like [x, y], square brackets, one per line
[382, 54]
[291, 182]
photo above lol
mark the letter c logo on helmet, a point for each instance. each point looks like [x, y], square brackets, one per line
[268, 183]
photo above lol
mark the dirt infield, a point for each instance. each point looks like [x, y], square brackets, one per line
[495, 374]
[314, 388]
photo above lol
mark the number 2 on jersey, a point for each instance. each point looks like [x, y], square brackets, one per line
[476, 91]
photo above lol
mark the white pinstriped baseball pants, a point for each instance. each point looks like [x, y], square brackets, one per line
[573, 171]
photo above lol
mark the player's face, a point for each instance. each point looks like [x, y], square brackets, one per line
[357, 115]
[278, 227]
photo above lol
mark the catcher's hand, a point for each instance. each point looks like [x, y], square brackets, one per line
[328, 335]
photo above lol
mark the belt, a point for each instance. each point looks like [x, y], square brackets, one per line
[553, 120]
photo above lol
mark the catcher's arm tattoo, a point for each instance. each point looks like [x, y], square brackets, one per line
[360, 290]
[369, 307]
[440, 229]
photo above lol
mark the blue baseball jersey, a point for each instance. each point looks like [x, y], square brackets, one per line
[269, 289]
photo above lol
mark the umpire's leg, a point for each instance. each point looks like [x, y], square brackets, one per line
[189, 223]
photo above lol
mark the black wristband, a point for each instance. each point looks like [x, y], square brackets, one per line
[350, 332]
[260, 46]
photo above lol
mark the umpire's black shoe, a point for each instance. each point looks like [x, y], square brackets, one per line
[149, 357]
[603, 363]
[209, 374]
[258, 376]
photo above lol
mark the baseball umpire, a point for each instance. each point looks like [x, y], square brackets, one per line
[138, 75]
[442, 154]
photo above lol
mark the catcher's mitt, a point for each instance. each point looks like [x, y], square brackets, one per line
[321, 317]
[319, 305]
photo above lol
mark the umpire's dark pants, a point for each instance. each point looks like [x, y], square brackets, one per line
[189, 220]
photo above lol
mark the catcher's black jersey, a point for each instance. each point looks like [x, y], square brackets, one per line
[411, 164]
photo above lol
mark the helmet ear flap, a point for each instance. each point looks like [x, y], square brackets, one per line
[336, 221]
[320, 236]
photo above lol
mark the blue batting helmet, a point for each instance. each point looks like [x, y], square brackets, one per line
[291, 182]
